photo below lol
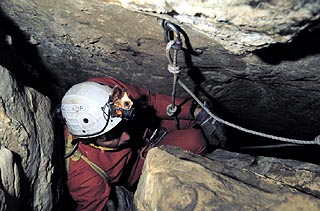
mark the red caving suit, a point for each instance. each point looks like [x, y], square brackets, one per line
[89, 190]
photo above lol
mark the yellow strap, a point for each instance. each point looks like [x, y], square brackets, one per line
[97, 169]
[102, 148]
[77, 155]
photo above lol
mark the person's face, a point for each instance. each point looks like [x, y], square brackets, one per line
[114, 138]
[113, 143]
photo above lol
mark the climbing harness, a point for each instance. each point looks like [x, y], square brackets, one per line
[173, 68]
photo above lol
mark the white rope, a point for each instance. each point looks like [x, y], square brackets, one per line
[295, 141]
[172, 66]
[175, 70]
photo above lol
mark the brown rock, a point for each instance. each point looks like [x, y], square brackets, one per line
[173, 179]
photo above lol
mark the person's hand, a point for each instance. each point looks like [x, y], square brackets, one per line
[125, 200]
[214, 131]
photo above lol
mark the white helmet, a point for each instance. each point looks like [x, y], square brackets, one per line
[85, 110]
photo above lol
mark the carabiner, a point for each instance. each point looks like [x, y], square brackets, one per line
[171, 30]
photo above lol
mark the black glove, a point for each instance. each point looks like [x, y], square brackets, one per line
[213, 130]
[124, 198]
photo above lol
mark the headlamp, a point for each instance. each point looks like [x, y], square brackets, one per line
[120, 104]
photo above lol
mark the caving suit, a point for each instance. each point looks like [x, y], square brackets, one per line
[123, 166]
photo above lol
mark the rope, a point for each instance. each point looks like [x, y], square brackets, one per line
[271, 146]
[295, 141]
[175, 70]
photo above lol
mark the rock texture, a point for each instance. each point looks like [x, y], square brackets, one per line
[240, 25]
[26, 140]
[173, 179]
[257, 63]
[273, 90]
[300, 175]
[10, 181]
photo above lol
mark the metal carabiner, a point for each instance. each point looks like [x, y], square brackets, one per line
[171, 30]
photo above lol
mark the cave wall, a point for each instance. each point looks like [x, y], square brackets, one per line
[268, 84]
[26, 147]
[239, 26]
[270, 89]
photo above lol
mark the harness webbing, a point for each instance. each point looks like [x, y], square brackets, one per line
[77, 155]
[97, 169]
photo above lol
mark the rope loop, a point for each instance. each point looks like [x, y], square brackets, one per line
[171, 109]
[168, 49]
[174, 69]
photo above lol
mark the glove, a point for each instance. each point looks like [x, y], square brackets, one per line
[124, 198]
[213, 130]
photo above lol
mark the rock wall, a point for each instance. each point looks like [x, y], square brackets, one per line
[257, 62]
[272, 90]
[10, 181]
[240, 25]
[26, 145]
[173, 179]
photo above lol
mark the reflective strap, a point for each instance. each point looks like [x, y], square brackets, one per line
[77, 155]
[96, 168]
[102, 148]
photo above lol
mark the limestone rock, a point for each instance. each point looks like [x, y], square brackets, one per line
[274, 90]
[26, 129]
[173, 179]
[10, 180]
[51, 45]
[3, 204]
[300, 175]
[241, 25]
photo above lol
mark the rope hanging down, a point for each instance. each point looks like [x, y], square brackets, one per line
[175, 70]
[175, 45]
